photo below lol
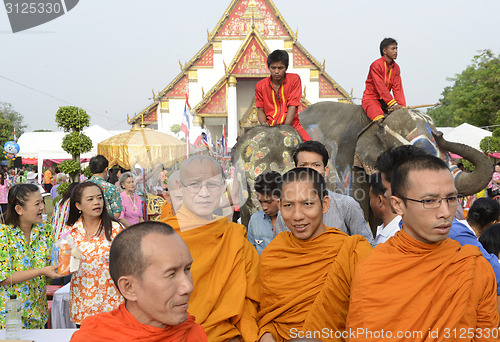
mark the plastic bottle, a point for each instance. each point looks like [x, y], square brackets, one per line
[13, 318]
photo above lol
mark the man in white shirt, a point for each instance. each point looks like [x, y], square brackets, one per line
[382, 209]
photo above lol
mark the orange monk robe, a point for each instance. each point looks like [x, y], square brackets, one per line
[225, 276]
[120, 325]
[305, 284]
[438, 290]
[166, 211]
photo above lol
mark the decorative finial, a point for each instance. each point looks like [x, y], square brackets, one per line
[323, 66]
[304, 94]
[142, 120]
[202, 93]
[128, 119]
[182, 68]
[296, 35]
[208, 35]
[154, 96]
[225, 66]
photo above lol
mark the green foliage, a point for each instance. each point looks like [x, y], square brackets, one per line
[490, 144]
[9, 119]
[468, 166]
[42, 130]
[76, 143]
[475, 95]
[70, 167]
[72, 118]
[175, 128]
[86, 172]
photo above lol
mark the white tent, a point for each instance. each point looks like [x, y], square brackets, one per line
[47, 145]
[467, 134]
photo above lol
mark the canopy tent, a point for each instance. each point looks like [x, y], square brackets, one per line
[40, 146]
[142, 146]
[468, 135]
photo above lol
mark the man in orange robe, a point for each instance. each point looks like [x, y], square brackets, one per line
[306, 273]
[420, 285]
[174, 197]
[151, 267]
[225, 268]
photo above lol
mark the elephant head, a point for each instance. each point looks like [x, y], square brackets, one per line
[259, 150]
[410, 127]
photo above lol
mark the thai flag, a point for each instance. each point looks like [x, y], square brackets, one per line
[185, 126]
[224, 140]
[208, 138]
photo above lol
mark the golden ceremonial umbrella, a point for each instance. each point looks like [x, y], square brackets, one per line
[142, 146]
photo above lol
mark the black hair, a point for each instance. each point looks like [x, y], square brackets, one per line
[483, 211]
[385, 43]
[2, 181]
[306, 174]
[376, 184]
[74, 213]
[399, 183]
[312, 146]
[388, 160]
[278, 56]
[490, 239]
[98, 164]
[126, 256]
[67, 193]
[268, 183]
[18, 195]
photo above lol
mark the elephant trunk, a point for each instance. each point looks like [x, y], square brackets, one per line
[468, 183]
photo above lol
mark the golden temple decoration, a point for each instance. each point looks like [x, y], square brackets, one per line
[154, 96]
[288, 46]
[197, 120]
[180, 64]
[193, 75]
[225, 67]
[202, 93]
[217, 47]
[232, 81]
[314, 75]
[304, 92]
[164, 105]
[323, 66]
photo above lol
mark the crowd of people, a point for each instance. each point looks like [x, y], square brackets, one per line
[308, 265]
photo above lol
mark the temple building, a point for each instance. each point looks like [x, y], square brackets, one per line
[220, 79]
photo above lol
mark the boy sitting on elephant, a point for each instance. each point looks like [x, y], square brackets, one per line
[384, 76]
[278, 97]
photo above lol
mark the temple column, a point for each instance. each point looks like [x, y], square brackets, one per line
[232, 112]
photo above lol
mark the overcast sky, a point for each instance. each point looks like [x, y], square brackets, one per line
[107, 55]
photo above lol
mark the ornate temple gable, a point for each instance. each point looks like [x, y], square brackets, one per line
[300, 60]
[151, 117]
[241, 15]
[251, 58]
[177, 90]
[214, 102]
[327, 85]
[207, 60]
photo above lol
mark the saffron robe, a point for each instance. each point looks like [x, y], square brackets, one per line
[305, 284]
[225, 275]
[441, 290]
[120, 325]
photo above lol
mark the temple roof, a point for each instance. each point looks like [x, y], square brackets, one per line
[250, 21]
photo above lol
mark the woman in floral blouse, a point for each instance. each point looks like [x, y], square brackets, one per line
[25, 252]
[92, 229]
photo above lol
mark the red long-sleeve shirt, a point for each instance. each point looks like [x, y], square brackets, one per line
[382, 78]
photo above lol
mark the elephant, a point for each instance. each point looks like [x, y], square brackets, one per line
[354, 143]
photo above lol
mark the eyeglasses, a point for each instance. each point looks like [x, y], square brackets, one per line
[212, 186]
[434, 203]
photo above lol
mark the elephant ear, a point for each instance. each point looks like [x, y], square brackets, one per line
[371, 142]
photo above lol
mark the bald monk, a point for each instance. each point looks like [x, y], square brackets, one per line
[225, 268]
[306, 273]
[174, 198]
[420, 283]
[151, 267]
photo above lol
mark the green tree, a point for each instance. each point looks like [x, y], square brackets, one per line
[9, 119]
[474, 96]
[73, 119]
[175, 128]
